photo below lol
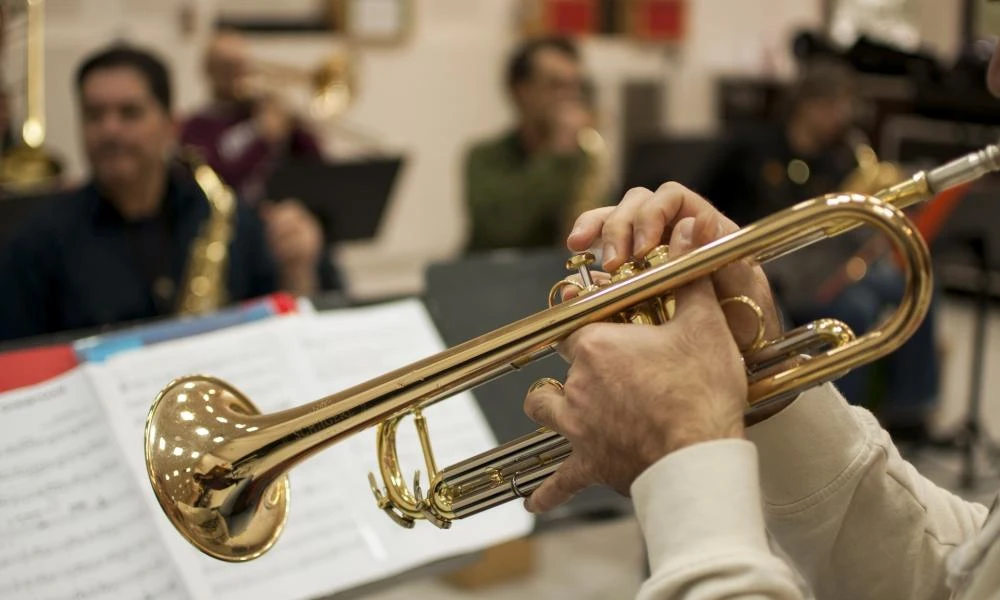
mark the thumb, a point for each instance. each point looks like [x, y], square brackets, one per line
[699, 294]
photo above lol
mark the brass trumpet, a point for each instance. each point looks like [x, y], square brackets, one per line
[219, 468]
[330, 84]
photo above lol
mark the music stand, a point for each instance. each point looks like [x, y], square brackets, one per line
[967, 257]
[482, 292]
[348, 197]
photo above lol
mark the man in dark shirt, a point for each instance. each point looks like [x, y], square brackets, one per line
[523, 188]
[115, 250]
[808, 154]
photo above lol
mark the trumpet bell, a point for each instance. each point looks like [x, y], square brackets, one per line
[216, 503]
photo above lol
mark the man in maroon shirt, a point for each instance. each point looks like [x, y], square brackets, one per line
[244, 139]
[243, 136]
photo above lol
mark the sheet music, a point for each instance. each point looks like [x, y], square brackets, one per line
[348, 347]
[325, 545]
[72, 520]
[336, 538]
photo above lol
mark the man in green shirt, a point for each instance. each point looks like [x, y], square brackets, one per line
[524, 188]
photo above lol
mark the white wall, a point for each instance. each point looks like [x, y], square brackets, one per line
[940, 25]
[435, 94]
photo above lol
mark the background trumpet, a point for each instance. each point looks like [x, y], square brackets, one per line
[218, 468]
[330, 85]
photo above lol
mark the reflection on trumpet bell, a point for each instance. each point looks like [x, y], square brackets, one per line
[219, 470]
[192, 439]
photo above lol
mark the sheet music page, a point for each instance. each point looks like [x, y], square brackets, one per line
[326, 545]
[351, 346]
[72, 519]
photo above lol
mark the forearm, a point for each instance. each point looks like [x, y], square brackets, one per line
[700, 513]
[857, 519]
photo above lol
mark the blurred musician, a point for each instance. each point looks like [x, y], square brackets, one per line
[244, 136]
[805, 155]
[243, 133]
[522, 188]
[115, 249]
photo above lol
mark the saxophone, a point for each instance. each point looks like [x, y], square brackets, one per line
[203, 289]
[592, 184]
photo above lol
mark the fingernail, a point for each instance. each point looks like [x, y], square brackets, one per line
[640, 241]
[684, 231]
[609, 253]
[576, 231]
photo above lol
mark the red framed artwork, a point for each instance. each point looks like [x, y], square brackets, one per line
[656, 20]
[569, 18]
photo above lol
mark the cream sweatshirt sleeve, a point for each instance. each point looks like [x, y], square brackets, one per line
[856, 519]
[700, 512]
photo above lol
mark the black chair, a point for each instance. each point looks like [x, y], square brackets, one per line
[655, 161]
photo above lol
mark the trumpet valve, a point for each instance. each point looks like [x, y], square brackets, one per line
[652, 312]
[658, 255]
[581, 263]
[626, 271]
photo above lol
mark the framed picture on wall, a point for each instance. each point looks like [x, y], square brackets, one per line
[647, 21]
[571, 18]
[658, 21]
[267, 16]
[379, 22]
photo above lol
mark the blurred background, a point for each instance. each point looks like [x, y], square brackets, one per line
[434, 84]
[443, 148]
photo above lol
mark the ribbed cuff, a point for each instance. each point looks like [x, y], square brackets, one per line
[807, 446]
[703, 496]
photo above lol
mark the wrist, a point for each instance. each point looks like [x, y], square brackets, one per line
[300, 281]
[707, 431]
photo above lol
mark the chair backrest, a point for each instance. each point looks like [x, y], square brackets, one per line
[655, 161]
